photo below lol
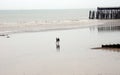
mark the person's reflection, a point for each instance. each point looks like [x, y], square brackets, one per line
[57, 47]
[57, 44]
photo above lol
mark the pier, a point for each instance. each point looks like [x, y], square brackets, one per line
[105, 13]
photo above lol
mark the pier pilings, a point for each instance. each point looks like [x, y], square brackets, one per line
[105, 13]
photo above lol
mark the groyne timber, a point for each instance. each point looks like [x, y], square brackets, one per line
[105, 13]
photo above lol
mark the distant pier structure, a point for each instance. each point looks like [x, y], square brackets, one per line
[105, 13]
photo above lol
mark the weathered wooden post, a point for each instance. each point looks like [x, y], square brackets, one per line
[93, 14]
[89, 14]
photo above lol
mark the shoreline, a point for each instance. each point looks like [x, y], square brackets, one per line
[7, 30]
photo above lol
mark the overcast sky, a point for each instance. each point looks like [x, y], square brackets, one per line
[56, 4]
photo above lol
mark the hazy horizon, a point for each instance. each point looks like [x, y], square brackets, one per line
[55, 4]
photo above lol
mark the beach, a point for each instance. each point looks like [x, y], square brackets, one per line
[36, 53]
[9, 28]
[31, 48]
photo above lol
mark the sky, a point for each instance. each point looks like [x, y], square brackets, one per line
[56, 4]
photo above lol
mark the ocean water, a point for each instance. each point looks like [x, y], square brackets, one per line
[28, 20]
[16, 16]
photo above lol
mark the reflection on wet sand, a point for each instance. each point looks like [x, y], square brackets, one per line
[57, 47]
[108, 49]
[108, 28]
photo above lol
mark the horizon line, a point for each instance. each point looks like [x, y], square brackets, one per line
[49, 9]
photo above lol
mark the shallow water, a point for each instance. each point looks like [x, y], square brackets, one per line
[36, 53]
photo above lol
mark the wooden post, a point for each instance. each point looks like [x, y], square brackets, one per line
[89, 14]
[97, 14]
[93, 14]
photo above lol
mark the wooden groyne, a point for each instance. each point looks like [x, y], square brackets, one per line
[111, 46]
[105, 13]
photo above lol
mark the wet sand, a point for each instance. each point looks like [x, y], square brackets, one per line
[37, 54]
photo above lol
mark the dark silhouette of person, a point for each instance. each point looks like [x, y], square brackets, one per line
[57, 44]
[57, 39]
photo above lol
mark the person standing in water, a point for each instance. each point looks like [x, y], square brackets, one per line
[57, 40]
[57, 43]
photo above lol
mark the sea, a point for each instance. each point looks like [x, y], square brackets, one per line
[35, 20]
[28, 43]
[16, 16]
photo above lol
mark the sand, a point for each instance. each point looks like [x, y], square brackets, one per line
[46, 26]
[36, 53]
